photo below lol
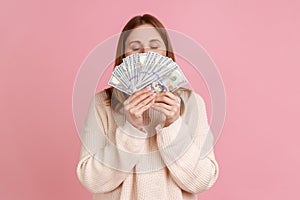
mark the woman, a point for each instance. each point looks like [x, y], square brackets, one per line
[134, 124]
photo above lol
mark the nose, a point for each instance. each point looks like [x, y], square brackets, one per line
[146, 49]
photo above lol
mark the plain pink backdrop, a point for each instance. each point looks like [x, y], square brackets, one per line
[255, 45]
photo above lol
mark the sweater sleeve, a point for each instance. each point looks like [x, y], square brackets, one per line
[103, 166]
[181, 145]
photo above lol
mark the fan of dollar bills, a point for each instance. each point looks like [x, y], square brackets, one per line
[150, 69]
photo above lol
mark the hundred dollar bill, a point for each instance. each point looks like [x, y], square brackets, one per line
[150, 69]
[157, 75]
[118, 75]
[174, 80]
[114, 82]
[122, 69]
[170, 83]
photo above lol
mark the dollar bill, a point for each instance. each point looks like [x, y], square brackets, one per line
[150, 69]
[114, 82]
[174, 80]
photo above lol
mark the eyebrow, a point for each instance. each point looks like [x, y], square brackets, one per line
[155, 40]
[134, 42]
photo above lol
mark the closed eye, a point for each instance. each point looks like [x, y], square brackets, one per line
[155, 44]
[135, 45]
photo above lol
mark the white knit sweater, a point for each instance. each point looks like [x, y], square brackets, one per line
[168, 163]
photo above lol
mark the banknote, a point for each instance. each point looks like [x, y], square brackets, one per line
[152, 70]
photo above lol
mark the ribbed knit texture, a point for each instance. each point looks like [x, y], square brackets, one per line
[172, 169]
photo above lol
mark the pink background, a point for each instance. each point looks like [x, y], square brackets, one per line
[255, 45]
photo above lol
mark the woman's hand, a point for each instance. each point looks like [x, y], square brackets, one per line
[169, 104]
[135, 106]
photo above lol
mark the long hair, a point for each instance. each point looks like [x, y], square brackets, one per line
[120, 53]
[138, 21]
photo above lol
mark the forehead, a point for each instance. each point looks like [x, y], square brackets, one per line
[143, 33]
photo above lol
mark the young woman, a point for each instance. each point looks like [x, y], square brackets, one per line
[172, 127]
